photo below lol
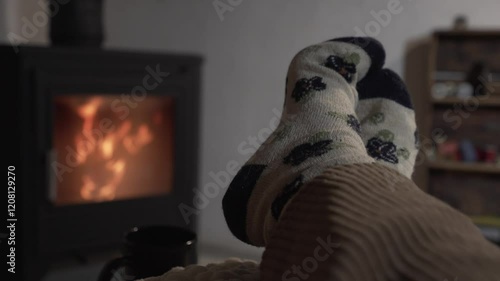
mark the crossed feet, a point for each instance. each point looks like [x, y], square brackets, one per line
[336, 173]
[341, 107]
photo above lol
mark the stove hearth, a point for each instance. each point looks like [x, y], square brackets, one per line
[109, 142]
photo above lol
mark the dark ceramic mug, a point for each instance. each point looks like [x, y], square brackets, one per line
[151, 251]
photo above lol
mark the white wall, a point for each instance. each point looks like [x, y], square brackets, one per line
[247, 55]
[7, 9]
[3, 22]
[15, 14]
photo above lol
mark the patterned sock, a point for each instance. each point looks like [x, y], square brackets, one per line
[387, 120]
[318, 129]
[385, 111]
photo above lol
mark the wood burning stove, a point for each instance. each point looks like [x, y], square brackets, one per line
[109, 140]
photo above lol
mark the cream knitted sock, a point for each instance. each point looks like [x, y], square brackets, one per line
[388, 126]
[319, 128]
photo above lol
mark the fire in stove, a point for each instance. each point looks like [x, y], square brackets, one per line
[110, 151]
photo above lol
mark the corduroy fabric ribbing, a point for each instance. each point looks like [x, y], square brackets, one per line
[383, 227]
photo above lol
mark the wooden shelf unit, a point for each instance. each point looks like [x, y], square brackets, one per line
[453, 52]
[462, 185]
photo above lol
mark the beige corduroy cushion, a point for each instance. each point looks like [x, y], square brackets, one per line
[366, 222]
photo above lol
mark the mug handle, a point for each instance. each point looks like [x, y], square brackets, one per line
[109, 269]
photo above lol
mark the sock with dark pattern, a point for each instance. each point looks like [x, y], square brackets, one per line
[387, 119]
[319, 128]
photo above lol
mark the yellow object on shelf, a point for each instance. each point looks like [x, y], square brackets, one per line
[486, 220]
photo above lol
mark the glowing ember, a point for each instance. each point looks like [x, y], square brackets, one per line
[107, 152]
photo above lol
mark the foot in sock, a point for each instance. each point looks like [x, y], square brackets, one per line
[385, 112]
[322, 98]
[387, 119]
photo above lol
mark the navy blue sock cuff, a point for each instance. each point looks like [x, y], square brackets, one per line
[385, 84]
[235, 201]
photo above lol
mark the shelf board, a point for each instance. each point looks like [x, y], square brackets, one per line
[465, 167]
[490, 102]
[480, 33]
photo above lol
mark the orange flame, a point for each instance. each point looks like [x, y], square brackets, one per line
[111, 152]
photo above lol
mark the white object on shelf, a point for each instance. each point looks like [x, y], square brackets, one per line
[441, 90]
[491, 233]
[465, 90]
